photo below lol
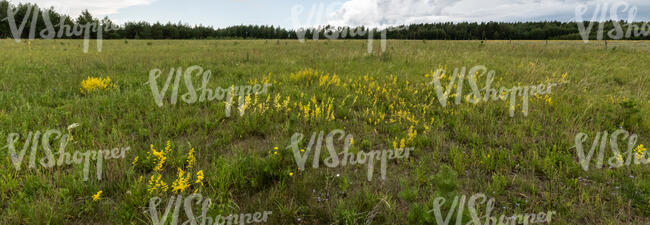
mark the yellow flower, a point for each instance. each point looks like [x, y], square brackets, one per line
[96, 83]
[168, 147]
[199, 177]
[275, 153]
[291, 174]
[97, 196]
[190, 159]
[155, 183]
[276, 148]
[302, 150]
[135, 160]
[549, 100]
[411, 134]
[640, 151]
[160, 156]
[181, 183]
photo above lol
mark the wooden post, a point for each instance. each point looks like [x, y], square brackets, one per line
[605, 43]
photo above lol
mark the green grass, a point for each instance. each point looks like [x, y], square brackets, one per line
[531, 166]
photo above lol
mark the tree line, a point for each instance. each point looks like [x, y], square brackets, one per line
[23, 15]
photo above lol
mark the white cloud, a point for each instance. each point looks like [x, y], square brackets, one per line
[396, 12]
[98, 8]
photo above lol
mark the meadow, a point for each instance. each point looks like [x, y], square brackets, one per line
[528, 164]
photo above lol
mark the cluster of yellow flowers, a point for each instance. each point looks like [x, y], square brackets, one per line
[199, 177]
[263, 80]
[182, 182]
[640, 151]
[548, 99]
[159, 156]
[318, 112]
[404, 100]
[96, 83]
[191, 159]
[327, 80]
[374, 118]
[398, 95]
[275, 151]
[135, 160]
[157, 184]
[98, 196]
[307, 75]
[312, 110]
[402, 143]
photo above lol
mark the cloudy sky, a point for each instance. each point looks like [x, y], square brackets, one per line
[301, 13]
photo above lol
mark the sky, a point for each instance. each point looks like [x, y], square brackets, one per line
[375, 13]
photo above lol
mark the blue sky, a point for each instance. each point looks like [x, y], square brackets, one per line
[287, 13]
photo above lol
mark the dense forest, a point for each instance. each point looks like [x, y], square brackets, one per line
[30, 21]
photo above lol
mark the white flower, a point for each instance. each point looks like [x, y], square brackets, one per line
[72, 126]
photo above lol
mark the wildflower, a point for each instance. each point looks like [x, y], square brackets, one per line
[199, 177]
[180, 184]
[291, 174]
[548, 99]
[168, 147]
[190, 159]
[275, 153]
[302, 150]
[411, 134]
[97, 196]
[155, 183]
[95, 83]
[640, 151]
[135, 160]
[160, 156]
[242, 108]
